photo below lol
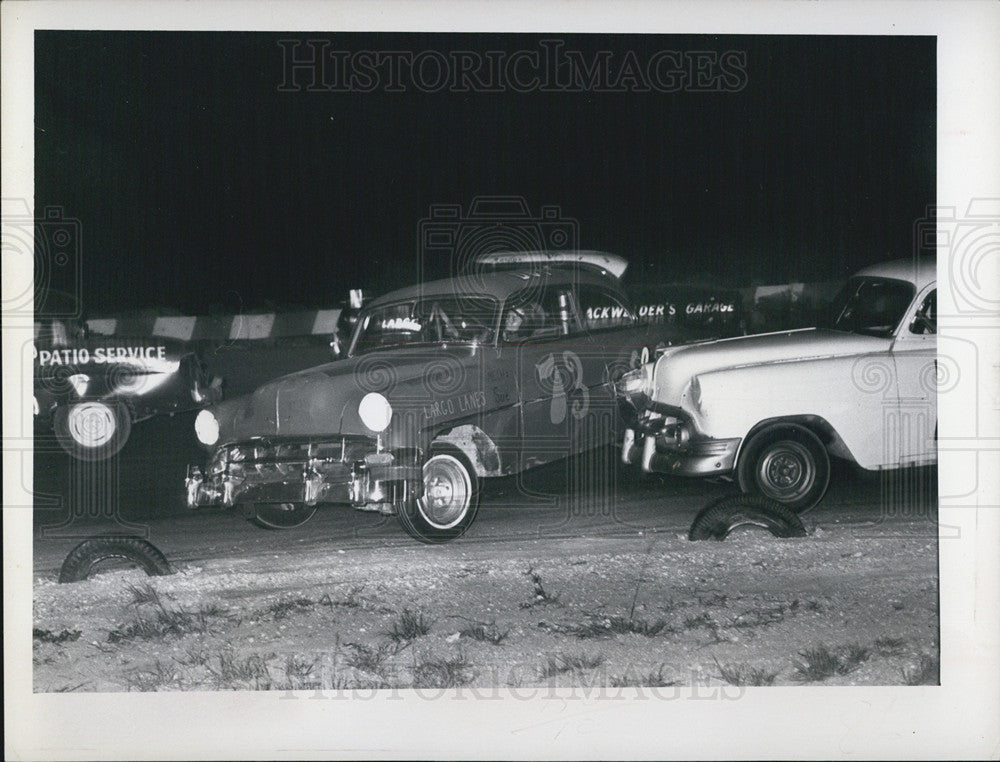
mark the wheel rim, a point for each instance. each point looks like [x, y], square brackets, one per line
[91, 424]
[786, 472]
[447, 492]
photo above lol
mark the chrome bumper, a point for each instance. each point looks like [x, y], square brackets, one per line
[699, 456]
[375, 483]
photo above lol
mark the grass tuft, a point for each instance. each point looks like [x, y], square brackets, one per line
[649, 680]
[599, 626]
[47, 636]
[231, 672]
[561, 663]
[741, 675]
[890, 646]
[409, 626]
[820, 662]
[443, 672]
[542, 596]
[485, 633]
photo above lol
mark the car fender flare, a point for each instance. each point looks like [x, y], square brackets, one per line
[476, 445]
[816, 425]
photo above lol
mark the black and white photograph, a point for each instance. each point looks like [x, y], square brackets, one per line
[459, 375]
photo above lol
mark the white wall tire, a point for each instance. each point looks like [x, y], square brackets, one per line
[450, 501]
[92, 430]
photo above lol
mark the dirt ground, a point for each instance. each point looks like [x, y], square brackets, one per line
[847, 605]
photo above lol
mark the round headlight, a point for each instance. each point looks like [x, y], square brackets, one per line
[632, 382]
[375, 411]
[206, 428]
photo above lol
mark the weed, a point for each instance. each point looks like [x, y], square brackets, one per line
[740, 675]
[486, 633]
[352, 601]
[298, 673]
[560, 663]
[616, 625]
[146, 680]
[853, 656]
[542, 596]
[144, 593]
[818, 663]
[167, 621]
[235, 673]
[442, 673]
[890, 646]
[194, 657]
[928, 672]
[409, 626]
[47, 636]
[368, 658]
[69, 688]
[282, 609]
[759, 617]
[649, 680]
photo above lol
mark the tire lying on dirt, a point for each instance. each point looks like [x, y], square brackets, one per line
[450, 501]
[113, 552]
[92, 430]
[280, 515]
[716, 520]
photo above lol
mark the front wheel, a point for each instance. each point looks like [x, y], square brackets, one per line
[788, 464]
[450, 501]
[92, 430]
[280, 515]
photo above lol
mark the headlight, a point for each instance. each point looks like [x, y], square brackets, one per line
[632, 382]
[375, 411]
[206, 428]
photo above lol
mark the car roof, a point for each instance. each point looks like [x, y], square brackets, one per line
[920, 271]
[499, 285]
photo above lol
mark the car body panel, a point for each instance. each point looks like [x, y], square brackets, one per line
[870, 398]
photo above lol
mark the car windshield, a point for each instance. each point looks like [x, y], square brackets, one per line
[871, 306]
[432, 320]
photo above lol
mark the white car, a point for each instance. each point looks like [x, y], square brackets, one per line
[770, 410]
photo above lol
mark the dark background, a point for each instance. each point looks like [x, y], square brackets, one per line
[200, 186]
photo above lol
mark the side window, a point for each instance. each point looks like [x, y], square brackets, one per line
[601, 309]
[536, 313]
[925, 319]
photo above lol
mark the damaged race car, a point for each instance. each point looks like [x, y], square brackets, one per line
[444, 384]
[770, 410]
[90, 389]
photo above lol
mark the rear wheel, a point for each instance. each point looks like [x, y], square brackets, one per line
[788, 464]
[280, 515]
[450, 501]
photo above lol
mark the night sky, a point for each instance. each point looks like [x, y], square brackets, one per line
[204, 180]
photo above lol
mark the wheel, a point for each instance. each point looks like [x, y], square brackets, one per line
[113, 552]
[788, 464]
[450, 501]
[716, 520]
[92, 429]
[281, 515]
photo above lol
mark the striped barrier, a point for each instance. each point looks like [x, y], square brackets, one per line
[272, 325]
[253, 326]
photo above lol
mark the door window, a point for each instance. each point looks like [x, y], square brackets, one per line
[925, 320]
[601, 309]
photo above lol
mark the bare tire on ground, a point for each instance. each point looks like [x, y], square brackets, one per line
[786, 463]
[92, 429]
[450, 501]
[720, 517]
[113, 553]
[281, 515]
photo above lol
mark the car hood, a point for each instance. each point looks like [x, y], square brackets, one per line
[323, 401]
[674, 368]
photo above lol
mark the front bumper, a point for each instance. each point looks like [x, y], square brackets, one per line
[344, 471]
[660, 447]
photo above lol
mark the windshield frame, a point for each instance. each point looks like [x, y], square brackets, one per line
[414, 302]
[848, 293]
